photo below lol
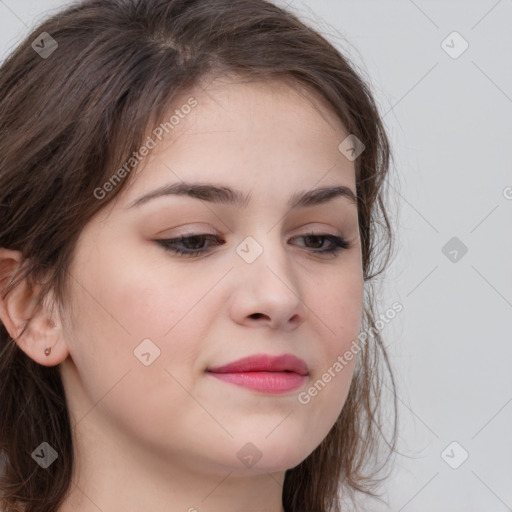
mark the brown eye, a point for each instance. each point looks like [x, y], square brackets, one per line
[189, 245]
[336, 243]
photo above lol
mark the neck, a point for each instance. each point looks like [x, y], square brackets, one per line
[110, 474]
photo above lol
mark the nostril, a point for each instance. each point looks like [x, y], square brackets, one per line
[256, 315]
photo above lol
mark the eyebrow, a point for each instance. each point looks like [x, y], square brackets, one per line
[220, 194]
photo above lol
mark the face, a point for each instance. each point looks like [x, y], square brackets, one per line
[146, 324]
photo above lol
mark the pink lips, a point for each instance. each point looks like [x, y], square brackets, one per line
[265, 373]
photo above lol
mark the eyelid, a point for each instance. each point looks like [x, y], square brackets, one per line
[195, 229]
[203, 228]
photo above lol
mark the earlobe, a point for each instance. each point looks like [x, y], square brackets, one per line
[43, 340]
[37, 333]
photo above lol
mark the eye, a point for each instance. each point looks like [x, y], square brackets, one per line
[194, 245]
[190, 245]
[337, 243]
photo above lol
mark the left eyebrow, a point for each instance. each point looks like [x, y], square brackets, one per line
[221, 194]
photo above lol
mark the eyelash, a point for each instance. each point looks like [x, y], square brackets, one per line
[168, 244]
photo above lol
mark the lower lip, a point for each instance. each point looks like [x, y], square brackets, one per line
[266, 382]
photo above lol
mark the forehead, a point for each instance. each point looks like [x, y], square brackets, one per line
[246, 132]
[263, 103]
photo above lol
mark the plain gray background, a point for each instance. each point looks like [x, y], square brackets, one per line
[449, 117]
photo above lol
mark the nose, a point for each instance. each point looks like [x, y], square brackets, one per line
[268, 292]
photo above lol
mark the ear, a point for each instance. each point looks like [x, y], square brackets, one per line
[18, 309]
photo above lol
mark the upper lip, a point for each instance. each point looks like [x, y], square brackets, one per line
[264, 363]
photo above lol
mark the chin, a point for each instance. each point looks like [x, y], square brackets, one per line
[284, 453]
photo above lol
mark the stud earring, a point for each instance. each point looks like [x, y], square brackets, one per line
[47, 351]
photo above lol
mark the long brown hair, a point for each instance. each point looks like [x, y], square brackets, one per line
[70, 117]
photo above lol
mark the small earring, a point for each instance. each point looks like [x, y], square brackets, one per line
[47, 351]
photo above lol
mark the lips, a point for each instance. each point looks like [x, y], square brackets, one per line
[271, 375]
[264, 363]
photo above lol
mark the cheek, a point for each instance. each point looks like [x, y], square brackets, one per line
[130, 301]
[137, 297]
[337, 302]
[110, 321]
[336, 307]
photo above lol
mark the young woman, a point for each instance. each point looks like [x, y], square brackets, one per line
[191, 204]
